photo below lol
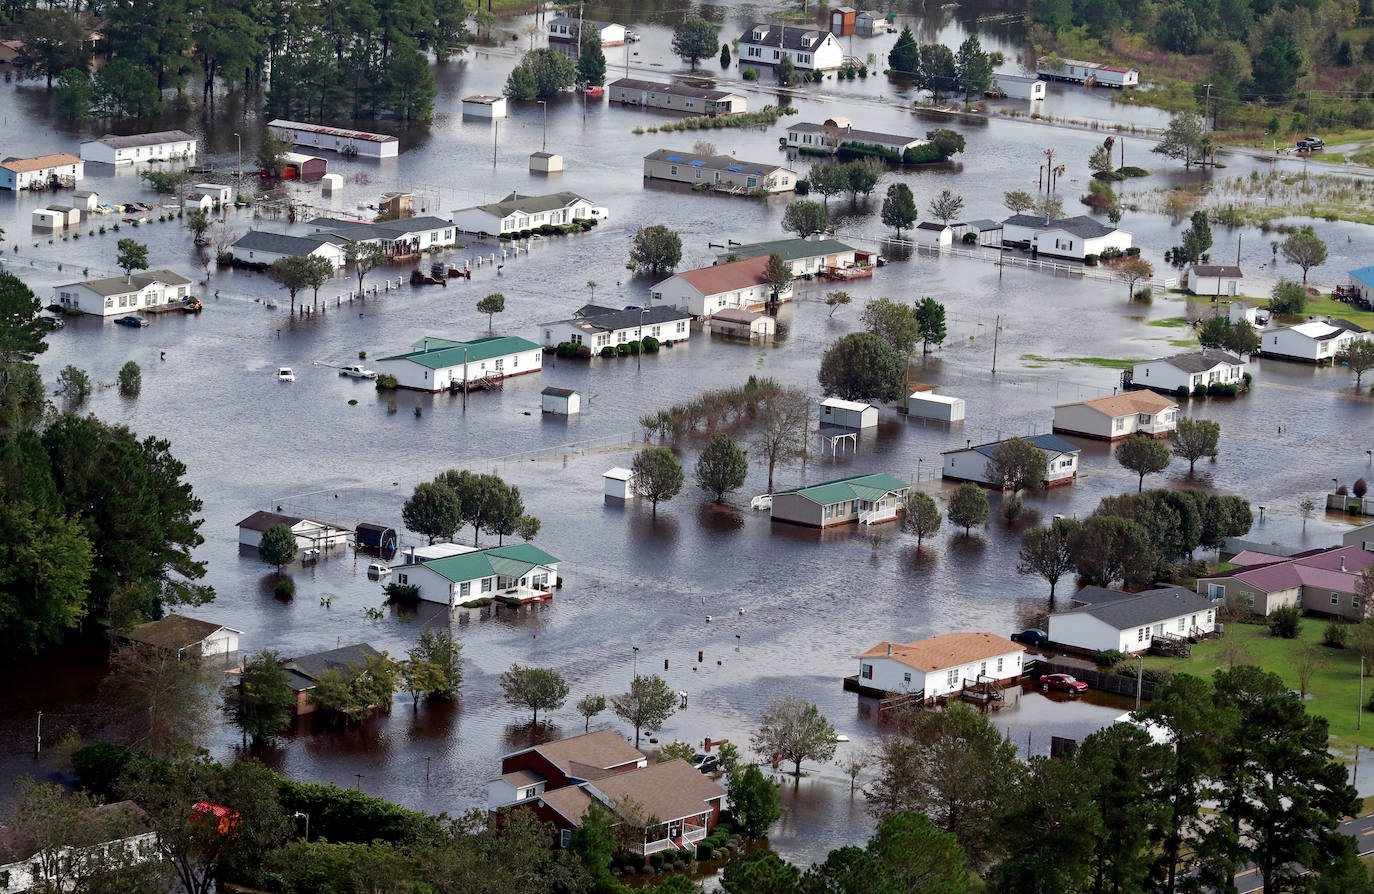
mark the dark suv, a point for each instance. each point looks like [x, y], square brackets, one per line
[1311, 144]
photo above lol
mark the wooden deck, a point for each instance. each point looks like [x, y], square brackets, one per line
[846, 274]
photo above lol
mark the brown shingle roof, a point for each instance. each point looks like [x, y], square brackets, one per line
[590, 753]
[24, 165]
[570, 803]
[944, 651]
[174, 632]
[667, 791]
[728, 277]
[1125, 404]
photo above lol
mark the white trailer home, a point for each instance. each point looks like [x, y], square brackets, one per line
[676, 97]
[438, 364]
[1131, 622]
[1316, 341]
[1013, 86]
[1091, 73]
[970, 463]
[938, 665]
[118, 295]
[1115, 416]
[702, 292]
[1187, 371]
[516, 212]
[42, 172]
[335, 139]
[167, 145]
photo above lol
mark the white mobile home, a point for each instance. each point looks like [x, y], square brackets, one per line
[167, 145]
[926, 405]
[605, 327]
[971, 463]
[702, 292]
[1129, 623]
[124, 294]
[676, 97]
[565, 29]
[1115, 416]
[438, 364]
[1316, 341]
[1188, 371]
[848, 413]
[1016, 87]
[515, 213]
[722, 173]
[521, 571]
[810, 49]
[42, 172]
[939, 665]
[1067, 237]
[259, 247]
[808, 257]
[335, 139]
[862, 499]
[836, 133]
[1091, 73]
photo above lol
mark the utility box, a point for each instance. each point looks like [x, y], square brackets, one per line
[924, 405]
[619, 483]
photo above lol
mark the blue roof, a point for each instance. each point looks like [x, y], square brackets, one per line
[735, 170]
[697, 163]
[1051, 444]
[1365, 275]
[675, 158]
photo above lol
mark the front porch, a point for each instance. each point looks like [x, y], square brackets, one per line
[672, 836]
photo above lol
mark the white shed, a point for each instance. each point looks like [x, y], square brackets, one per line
[331, 184]
[85, 198]
[43, 219]
[940, 407]
[218, 192]
[70, 215]
[546, 162]
[848, 413]
[198, 201]
[619, 484]
[561, 401]
[938, 235]
[484, 106]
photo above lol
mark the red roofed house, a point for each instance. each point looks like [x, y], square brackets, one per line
[702, 292]
[938, 666]
[670, 803]
[224, 819]
[1319, 580]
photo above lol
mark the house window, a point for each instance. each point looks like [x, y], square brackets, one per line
[1250, 600]
[402, 579]
[1180, 624]
[698, 173]
[951, 677]
[1335, 598]
[653, 331]
[866, 671]
[674, 169]
[486, 585]
[999, 665]
[1140, 635]
[564, 837]
[751, 182]
[983, 669]
[906, 677]
[540, 581]
[682, 324]
[465, 589]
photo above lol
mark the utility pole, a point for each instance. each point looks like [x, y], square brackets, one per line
[495, 135]
[38, 743]
[1207, 105]
[465, 380]
[996, 330]
[1238, 235]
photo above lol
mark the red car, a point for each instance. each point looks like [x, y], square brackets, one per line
[1063, 683]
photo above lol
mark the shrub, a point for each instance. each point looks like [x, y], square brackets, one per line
[404, 592]
[1248, 378]
[386, 382]
[1342, 491]
[1283, 622]
[1215, 389]
[1090, 260]
[1181, 391]
[750, 74]
[1335, 634]
[608, 351]
[1132, 252]
[970, 238]
[1111, 252]
[634, 347]
[1199, 390]
[285, 588]
[1110, 657]
[923, 154]
[584, 352]
[1151, 675]
[564, 349]
[622, 350]
[1144, 295]
[1361, 488]
[803, 187]
[1133, 171]
[650, 344]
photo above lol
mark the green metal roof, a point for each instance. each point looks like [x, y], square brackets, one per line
[860, 487]
[512, 560]
[444, 353]
[790, 249]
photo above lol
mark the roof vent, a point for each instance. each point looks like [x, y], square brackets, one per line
[889, 648]
[1342, 563]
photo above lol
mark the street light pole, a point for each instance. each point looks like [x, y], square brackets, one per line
[239, 172]
[305, 816]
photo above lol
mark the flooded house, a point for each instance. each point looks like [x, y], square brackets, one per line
[676, 97]
[1114, 416]
[514, 572]
[809, 49]
[937, 666]
[167, 145]
[970, 463]
[861, 499]
[706, 290]
[438, 364]
[721, 173]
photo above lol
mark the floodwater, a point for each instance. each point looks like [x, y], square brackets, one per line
[770, 609]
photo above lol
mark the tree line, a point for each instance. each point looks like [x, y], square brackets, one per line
[967, 71]
[438, 509]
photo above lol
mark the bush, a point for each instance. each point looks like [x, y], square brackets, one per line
[1151, 675]
[1216, 389]
[608, 351]
[1248, 378]
[403, 592]
[1181, 392]
[1283, 622]
[1361, 488]
[584, 352]
[565, 349]
[803, 187]
[750, 74]
[285, 588]
[1090, 260]
[1132, 252]
[650, 344]
[970, 238]
[1335, 634]
[99, 766]
[1199, 390]
[386, 382]
[1342, 491]
[922, 154]
[1133, 171]
[1110, 657]
[622, 350]
[1144, 295]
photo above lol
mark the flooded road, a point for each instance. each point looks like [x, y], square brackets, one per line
[788, 607]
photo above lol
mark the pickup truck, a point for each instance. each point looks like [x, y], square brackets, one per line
[358, 371]
[1311, 144]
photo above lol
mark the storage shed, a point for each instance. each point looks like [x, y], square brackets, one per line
[561, 401]
[43, 219]
[374, 537]
[306, 168]
[619, 484]
[940, 407]
[484, 106]
[741, 323]
[842, 21]
[331, 184]
[71, 215]
[848, 413]
[546, 162]
[86, 199]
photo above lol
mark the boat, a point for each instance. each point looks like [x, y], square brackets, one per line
[358, 371]
[132, 320]
[632, 37]
[286, 374]
[192, 306]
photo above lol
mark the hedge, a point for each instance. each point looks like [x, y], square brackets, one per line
[608, 351]
[922, 154]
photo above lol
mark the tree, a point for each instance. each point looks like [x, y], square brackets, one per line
[1214, 332]
[1048, 551]
[317, 271]
[591, 61]
[292, 273]
[863, 175]
[552, 71]
[930, 323]
[753, 801]
[1242, 339]
[1287, 297]
[1107, 549]
[1358, 356]
[1194, 439]
[1132, 269]
[899, 208]
[1018, 464]
[74, 94]
[589, 706]
[272, 151]
[953, 766]
[52, 41]
[438, 649]
[1197, 238]
[837, 300]
[1049, 207]
[722, 466]
[260, 700]
[21, 331]
[1277, 67]
[198, 222]
[973, 68]
[725, 55]
[1100, 162]
[1143, 455]
[893, 322]
[947, 142]
[165, 696]
[780, 434]
[656, 474]
[132, 255]
[777, 274]
[1184, 138]
[922, 516]
[695, 39]
[785, 71]
[123, 89]
[946, 206]
[535, 688]
[73, 384]
[48, 561]
[968, 506]
[521, 85]
[905, 55]
[486, 500]
[861, 366]
[804, 218]
[795, 730]
[433, 511]
[1018, 201]
[1123, 766]
[1046, 857]
[762, 872]
[828, 180]
[505, 513]
[938, 72]
[656, 250]
[355, 690]
[278, 546]
[647, 706]
[1306, 249]
[492, 305]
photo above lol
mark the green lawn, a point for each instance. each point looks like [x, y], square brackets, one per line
[1104, 362]
[1332, 693]
[1169, 321]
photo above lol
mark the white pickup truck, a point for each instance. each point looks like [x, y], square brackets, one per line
[358, 371]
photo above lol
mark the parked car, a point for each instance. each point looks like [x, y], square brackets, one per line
[1311, 144]
[706, 763]
[52, 322]
[133, 320]
[286, 374]
[377, 570]
[1063, 683]
[358, 371]
[1032, 637]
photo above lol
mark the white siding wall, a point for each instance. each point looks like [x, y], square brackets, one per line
[1164, 375]
[1086, 632]
[553, 334]
[410, 374]
[893, 676]
[221, 642]
[91, 302]
[95, 150]
[1086, 420]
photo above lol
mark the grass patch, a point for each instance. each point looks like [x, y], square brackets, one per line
[762, 118]
[1328, 306]
[1184, 342]
[1104, 362]
[1333, 692]
[1169, 321]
